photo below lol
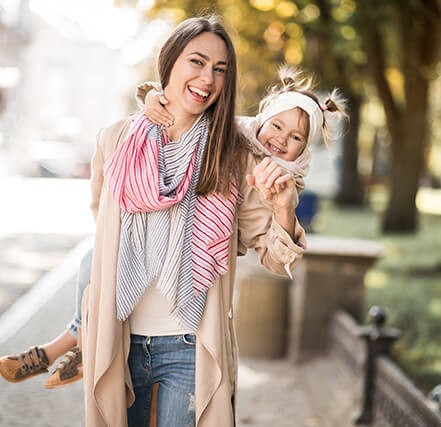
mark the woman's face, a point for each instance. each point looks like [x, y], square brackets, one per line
[197, 76]
[285, 134]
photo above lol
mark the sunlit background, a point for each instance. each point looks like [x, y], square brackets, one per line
[67, 69]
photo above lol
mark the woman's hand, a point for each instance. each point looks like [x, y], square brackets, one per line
[275, 183]
[155, 110]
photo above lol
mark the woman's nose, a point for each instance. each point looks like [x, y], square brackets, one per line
[207, 75]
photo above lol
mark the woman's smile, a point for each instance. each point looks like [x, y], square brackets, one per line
[199, 95]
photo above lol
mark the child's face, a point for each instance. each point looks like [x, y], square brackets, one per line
[285, 134]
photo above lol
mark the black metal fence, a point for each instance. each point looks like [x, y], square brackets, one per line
[389, 399]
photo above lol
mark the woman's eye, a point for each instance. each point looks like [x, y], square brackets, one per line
[220, 70]
[196, 61]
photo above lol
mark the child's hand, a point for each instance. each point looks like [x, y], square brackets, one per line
[155, 110]
[275, 183]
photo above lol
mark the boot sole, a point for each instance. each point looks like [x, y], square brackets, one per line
[60, 384]
[19, 380]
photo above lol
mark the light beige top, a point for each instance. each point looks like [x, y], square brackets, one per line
[151, 316]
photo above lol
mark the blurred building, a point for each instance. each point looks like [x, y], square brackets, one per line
[58, 86]
[14, 36]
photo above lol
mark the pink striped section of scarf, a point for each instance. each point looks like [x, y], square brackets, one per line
[133, 173]
[212, 229]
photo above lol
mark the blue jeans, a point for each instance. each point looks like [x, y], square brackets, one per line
[170, 362]
[83, 280]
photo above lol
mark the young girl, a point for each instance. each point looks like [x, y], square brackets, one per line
[280, 131]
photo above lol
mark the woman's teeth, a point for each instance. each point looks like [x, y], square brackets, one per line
[202, 93]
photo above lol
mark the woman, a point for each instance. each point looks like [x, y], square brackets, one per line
[173, 210]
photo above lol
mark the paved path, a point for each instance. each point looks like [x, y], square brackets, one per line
[49, 218]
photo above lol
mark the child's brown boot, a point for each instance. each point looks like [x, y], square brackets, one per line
[20, 367]
[69, 370]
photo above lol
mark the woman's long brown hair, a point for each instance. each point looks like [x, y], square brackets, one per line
[224, 153]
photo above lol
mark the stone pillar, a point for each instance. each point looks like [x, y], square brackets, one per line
[262, 316]
[261, 310]
[330, 277]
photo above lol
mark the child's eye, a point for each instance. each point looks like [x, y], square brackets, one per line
[276, 126]
[296, 138]
[196, 61]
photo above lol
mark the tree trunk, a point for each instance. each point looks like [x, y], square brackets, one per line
[409, 135]
[401, 212]
[351, 190]
[330, 72]
[409, 128]
[419, 34]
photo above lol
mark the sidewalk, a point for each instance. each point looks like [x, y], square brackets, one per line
[45, 219]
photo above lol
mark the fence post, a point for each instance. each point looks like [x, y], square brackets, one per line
[378, 342]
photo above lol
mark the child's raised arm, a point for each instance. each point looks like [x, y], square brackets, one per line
[153, 102]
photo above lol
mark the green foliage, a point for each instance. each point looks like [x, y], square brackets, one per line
[414, 306]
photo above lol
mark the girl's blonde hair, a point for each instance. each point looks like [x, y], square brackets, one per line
[293, 79]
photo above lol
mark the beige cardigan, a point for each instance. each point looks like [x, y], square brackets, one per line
[106, 341]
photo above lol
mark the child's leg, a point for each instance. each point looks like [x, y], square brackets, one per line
[59, 345]
[82, 281]
[36, 360]
[70, 368]
[70, 337]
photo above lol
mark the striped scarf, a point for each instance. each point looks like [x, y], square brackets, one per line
[164, 237]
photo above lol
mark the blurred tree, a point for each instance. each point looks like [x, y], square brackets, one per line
[402, 42]
[333, 50]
